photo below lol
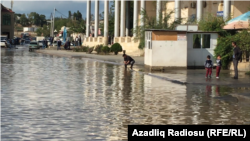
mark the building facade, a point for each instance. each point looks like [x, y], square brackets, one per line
[7, 22]
[187, 10]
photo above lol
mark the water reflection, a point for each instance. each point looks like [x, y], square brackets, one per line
[58, 98]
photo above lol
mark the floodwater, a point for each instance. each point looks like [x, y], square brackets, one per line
[56, 98]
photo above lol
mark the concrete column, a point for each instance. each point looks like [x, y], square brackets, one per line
[106, 14]
[142, 8]
[226, 9]
[199, 9]
[88, 17]
[135, 15]
[96, 17]
[158, 10]
[177, 9]
[116, 18]
[127, 17]
[106, 23]
[122, 24]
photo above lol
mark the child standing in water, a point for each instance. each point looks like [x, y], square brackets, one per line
[218, 67]
[208, 66]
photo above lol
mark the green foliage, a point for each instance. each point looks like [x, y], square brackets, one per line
[81, 49]
[225, 49]
[24, 20]
[98, 48]
[105, 49]
[116, 47]
[248, 73]
[90, 50]
[45, 31]
[212, 23]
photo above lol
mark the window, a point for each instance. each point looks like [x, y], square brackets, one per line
[6, 19]
[197, 41]
[148, 40]
[201, 40]
[205, 40]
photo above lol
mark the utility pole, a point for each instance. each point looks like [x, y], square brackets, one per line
[51, 30]
[53, 22]
[11, 5]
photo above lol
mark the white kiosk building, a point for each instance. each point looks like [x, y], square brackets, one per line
[178, 49]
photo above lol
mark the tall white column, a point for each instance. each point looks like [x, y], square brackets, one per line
[116, 18]
[177, 9]
[88, 17]
[122, 24]
[106, 14]
[142, 8]
[135, 15]
[158, 10]
[96, 17]
[226, 8]
[199, 10]
[127, 17]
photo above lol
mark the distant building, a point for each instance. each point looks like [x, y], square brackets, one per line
[7, 21]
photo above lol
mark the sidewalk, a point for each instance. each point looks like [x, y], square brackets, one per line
[195, 77]
[112, 58]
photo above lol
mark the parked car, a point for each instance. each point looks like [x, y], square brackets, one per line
[40, 43]
[3, 44]
[33, 45]
[27, 41]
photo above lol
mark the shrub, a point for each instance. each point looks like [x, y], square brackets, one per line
[116, 47]
[248, 73]
[81, 49]
[98, 48]
[90, 50]
[105, 49]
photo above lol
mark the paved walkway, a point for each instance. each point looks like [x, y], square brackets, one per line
[112, 58]
[196, 77]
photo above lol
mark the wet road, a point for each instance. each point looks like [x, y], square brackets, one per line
[57, 98]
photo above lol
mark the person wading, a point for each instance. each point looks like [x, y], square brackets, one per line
[128, 60]
[236, 58]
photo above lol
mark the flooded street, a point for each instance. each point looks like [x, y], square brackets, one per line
[58, 98]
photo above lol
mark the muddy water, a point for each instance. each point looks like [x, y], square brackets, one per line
[57, 98]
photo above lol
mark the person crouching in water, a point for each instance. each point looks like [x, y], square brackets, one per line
[208, 66]
[128, 60]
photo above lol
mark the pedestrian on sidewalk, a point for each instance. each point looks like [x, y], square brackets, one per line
[218, 67]
[59, 43]
[236, 57]
[80, 41]
[76, 41]
[208, 66]
[44, 44]
[128, 60]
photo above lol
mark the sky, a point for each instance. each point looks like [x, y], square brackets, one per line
[47, 7]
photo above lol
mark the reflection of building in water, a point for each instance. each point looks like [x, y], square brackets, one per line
[164, 102]
[87, 78]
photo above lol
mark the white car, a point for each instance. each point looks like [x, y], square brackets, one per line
[40, 43]
[3, 44]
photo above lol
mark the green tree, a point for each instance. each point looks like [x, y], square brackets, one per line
[42, 20]
[23, 20]
[70, 15]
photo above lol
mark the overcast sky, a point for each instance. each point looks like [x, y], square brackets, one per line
[47, 7]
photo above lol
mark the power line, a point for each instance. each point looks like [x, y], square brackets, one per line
[61, 13]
